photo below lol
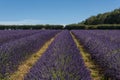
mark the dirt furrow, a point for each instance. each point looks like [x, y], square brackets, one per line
[96, 72]
[26, 65]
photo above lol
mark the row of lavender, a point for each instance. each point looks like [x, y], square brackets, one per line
[16, 50]
[110, 35]
[104, 47]
[61, 61]
[10, 35]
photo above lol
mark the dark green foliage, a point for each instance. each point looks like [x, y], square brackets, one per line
[15, 27]
[74, 26]
[100, 26]
[112, 17]
[108, 20]
[108, 27]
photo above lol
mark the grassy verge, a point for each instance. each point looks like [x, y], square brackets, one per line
[96, 71]
[26, 65]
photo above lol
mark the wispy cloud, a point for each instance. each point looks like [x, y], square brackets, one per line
[21, 22]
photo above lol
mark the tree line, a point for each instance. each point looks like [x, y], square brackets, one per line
[58, 27]
[112, 17]
[16, 27]
[108, 20]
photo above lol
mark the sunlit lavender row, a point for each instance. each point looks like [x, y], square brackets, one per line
[13, 52]
[104, 47]
[61, 61]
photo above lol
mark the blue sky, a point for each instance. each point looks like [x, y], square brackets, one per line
[52, 11]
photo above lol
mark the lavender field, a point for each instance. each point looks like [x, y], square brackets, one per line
[68, 57]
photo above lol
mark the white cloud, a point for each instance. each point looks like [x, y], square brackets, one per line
[30, 22]
[22, 22]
